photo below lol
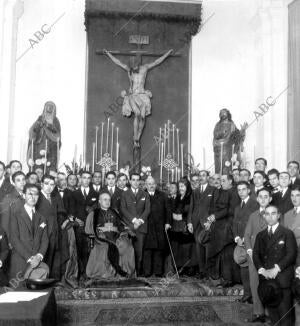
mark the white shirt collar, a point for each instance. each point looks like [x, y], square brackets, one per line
[274, 227]
[246, 199]
[293, 178]
[297, 209]
[261, 209]
[29, 210]
[284, 190]
[96, 187]
[45, 195]
[1, 181]
[257, 188]
[87, 189]
[134, 190]
[203, 186]
[112, 188]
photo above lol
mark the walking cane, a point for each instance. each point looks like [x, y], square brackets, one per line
[172, 253]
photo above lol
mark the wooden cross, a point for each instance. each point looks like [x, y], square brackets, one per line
[139, 40]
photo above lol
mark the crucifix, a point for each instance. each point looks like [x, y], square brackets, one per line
[137, 99]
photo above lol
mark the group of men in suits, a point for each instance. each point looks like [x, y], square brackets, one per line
[40, 223]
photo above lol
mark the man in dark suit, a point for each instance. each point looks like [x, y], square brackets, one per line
[282, 198]
[50, 206]
[293, 170]
[14, 166]
[12, 200]
[274, 256]
[115, 192]
[85, 200]
[122, 181]
[198, 213]
[273, 176]
[135, 209]
[241, 215]
[96, 181]
[259, 181]
[29, 236]
[4, 252]
[5, 186]
[155, 242]
[255, 224]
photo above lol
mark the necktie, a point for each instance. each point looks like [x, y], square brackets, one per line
[243, 204]
[270, 233]
[84, 193]
[111, 191]
[295, 211]
[49, 198]
[32, 221]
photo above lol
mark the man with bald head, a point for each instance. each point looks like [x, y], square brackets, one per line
[158, 220]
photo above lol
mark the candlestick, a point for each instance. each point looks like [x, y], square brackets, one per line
[57, 148]
[204, 159]
[161, 162]
[46, 149]
[117, 155]
[94, 157]
[101, 143]
[172, 175]
[178, 177]
[173, 142]
[181, 160]
[159, 147]
[112, 140]
[221, 169]
[107, 135]
[96, 144]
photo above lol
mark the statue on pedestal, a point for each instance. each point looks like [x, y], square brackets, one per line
[45, 140]
[228, 141]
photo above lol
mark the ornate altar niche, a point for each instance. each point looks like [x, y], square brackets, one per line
[126, 28]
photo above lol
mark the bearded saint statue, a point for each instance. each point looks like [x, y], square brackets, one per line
[46, 127]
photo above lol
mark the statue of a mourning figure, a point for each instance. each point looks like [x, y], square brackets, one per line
[137, 99]
[44, 134]
[228, 140]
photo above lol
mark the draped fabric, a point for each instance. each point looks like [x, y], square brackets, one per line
[294, 82]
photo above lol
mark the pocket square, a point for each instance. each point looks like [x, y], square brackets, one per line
[93, 199]
[143, 198]
[209, 195]
[1, 236]
[43, 225]
[281, 242]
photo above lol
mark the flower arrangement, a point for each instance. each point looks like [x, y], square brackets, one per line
[145, 172]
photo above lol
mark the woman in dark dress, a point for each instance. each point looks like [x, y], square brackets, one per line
[182, 242]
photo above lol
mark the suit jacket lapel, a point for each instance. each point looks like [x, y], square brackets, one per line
[26, 219]
[275, 236]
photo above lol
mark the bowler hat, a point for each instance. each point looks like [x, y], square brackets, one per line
[269, 292]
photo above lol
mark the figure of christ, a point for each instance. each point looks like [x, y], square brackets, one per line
[137, 100]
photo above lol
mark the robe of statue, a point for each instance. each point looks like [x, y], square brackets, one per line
[46, 127]
[222, 132]
[111, 246]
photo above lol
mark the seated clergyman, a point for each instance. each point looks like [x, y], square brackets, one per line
[112, 254]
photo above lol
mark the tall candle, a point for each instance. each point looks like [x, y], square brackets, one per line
[172, 175]
[117, 137]
[31, 167]
[161, 161]
[96, 144]
[101, 142]
[168, 137]
[178, 155]
[173, 145]
[75, 154]
[181, 160]
[107, 135]
[178, 177]
[221, 158]
[57, 148]
[204, 159]
[94, 157]
[159, 147]
[165, 137]
[46, 149]
[112, 140]
[117, 156]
